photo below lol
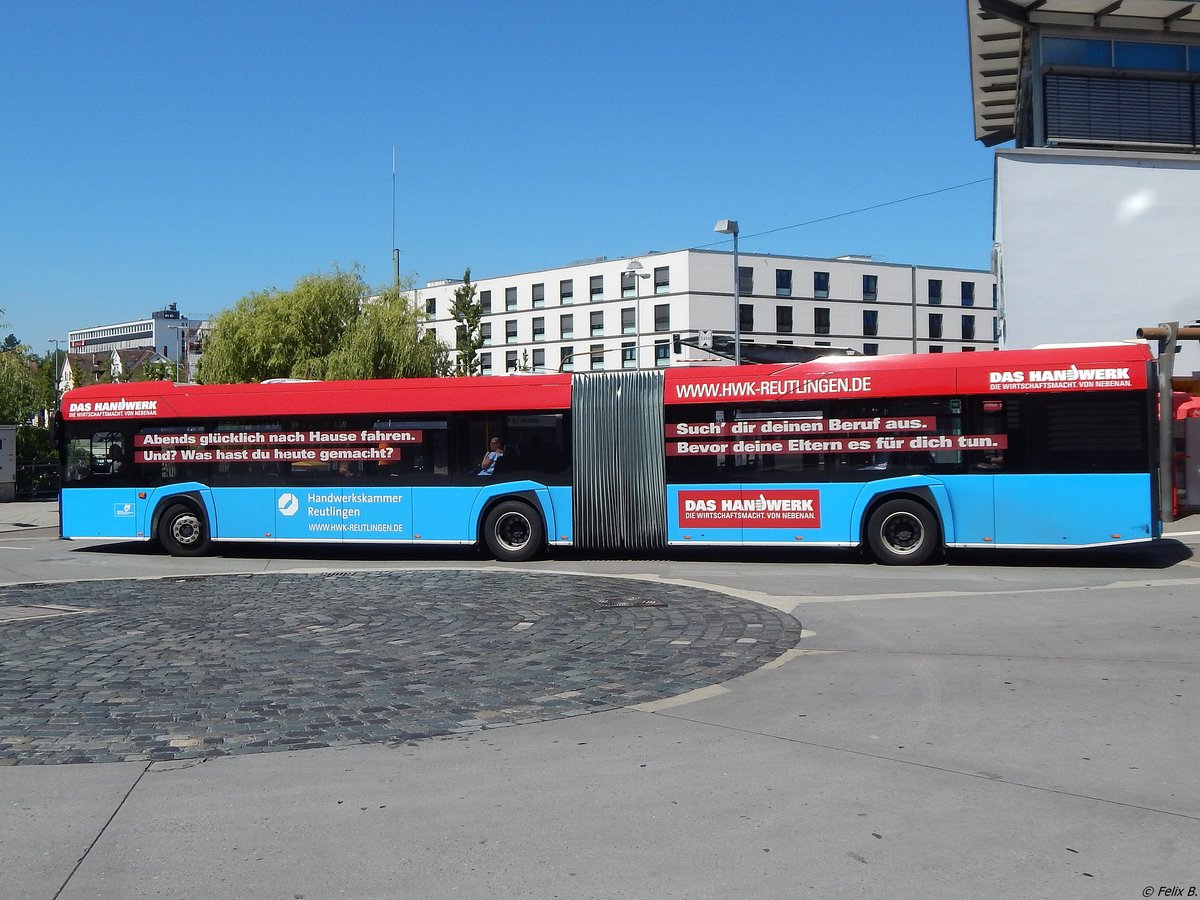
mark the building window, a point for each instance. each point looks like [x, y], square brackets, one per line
[935, 326]
[783, 282]
[968, 293]
[510, 361]
[485, 334]
[539, 296]
[1075, 52]
[996, 330]
[783, 319]
[870, 322]
[598, 323]
[629, 321]
[597, 287]
[870, 287]
[935, 348]
[566, 292]
[596, 352]
[629, 284]
[968, 349]
[566, 359]
[821, 320]
[745, 280]
[510, 331]
[662, 280]
[430, 306]
[539, 358]
[662, 353]
[995, 295]
[629, 355]
[870, 349]
[935, 292]
[968, 328]
[539, 328]
[746, 316]
[820, 285]
[485, 301]
[485, 364]
[566, 325]
[662, 317]
[510, 299]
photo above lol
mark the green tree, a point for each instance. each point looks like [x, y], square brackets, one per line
[22, 391]
[468, 337]
[155, 371]
[329, 325]
[387, 341]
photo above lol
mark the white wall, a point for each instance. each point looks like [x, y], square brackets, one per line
[1095, 245]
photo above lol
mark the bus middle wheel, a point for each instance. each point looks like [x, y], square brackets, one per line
[513, 531]
[902, 533]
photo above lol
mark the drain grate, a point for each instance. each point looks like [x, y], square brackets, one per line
[627, 602]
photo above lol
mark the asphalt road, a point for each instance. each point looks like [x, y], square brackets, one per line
[1018, 725]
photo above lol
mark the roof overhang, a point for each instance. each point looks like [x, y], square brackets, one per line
[997, 31]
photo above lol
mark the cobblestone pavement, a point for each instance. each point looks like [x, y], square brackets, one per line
[216, 665]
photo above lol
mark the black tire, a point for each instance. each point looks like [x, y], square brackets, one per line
[903, 533]
[513, 531]
[182, 531]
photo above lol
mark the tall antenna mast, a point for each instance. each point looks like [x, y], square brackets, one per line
[395, 249]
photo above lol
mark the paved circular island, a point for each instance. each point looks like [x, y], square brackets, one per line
[201, 666]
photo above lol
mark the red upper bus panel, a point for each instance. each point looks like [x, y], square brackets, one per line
[163, 400]
[1095, 367]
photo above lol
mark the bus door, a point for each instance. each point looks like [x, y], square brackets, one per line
[109, 507]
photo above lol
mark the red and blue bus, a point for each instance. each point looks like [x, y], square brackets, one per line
[901, 455]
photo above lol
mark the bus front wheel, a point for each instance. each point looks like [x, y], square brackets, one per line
[902, 533]
[513, 531]
[182, 531]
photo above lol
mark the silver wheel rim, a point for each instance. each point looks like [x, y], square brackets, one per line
[903, 533]
[513, 531]
[185, 529]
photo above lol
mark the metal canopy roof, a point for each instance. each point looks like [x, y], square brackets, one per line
[997, 30]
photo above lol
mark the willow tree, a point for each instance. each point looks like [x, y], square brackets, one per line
[329, 325]
[388, 340]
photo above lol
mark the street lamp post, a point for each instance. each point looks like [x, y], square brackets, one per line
[635, 269]
[730, 226]
[57, 371]
[180, 331]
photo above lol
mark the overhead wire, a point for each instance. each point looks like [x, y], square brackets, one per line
[850, 212]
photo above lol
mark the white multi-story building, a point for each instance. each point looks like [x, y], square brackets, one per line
[623, 313]
[166, 332]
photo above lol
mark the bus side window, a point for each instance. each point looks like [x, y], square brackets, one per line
[107, 452]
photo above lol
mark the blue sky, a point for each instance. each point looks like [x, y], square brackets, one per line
[194, 152]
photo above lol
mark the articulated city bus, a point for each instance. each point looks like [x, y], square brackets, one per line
[901, 455]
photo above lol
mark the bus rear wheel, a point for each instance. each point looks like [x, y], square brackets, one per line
[182, 531]
[513, 531]
[902, 533]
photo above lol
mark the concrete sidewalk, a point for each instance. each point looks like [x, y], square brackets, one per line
[24, 515]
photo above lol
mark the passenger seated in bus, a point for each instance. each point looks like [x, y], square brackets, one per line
[494, 452]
